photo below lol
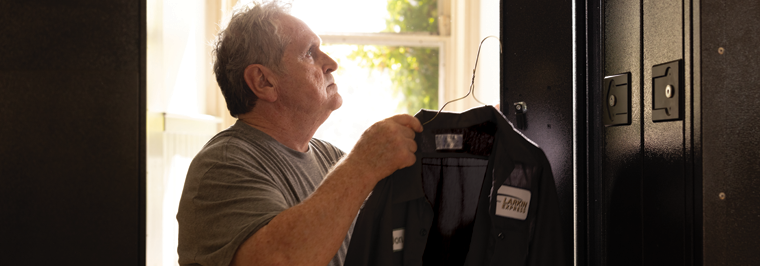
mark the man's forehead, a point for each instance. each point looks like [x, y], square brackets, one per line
[297, 29]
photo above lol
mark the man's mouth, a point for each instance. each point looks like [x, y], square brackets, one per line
[331, 82]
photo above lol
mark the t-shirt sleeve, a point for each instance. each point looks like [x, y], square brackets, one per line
[231, 202]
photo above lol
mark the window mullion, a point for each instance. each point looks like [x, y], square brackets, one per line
[388, 39]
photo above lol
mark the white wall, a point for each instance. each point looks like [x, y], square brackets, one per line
[179, 88]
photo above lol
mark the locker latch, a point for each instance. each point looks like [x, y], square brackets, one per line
[667, 91]
[617, 100]
[520, 109]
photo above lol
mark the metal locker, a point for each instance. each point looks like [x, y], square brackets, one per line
[675, 184]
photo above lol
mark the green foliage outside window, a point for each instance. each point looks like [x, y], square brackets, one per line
[413, 70]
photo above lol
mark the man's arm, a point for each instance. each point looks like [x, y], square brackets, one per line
[311, 232]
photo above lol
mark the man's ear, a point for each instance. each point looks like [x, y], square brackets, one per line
[260, 80]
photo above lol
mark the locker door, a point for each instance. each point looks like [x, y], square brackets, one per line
[647, 208]
[729, 154]
[666, 203]
[623, 159]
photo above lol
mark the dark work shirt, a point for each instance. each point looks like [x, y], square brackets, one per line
[480, 193]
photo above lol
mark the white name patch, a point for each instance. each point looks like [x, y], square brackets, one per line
[398, 239]
[513, 202]
[448, 141]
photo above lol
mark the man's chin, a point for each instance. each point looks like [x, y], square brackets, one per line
[338, 102]
[337, 99]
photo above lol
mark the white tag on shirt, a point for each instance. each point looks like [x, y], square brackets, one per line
[398, 239]
[512, 202]
[448, 141]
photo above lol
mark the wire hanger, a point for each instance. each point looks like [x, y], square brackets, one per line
[472, 83]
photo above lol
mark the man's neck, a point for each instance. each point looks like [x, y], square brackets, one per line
[291, 130]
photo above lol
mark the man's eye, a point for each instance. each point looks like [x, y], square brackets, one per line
[308, 53]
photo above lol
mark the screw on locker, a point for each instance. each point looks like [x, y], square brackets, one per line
[669, 91]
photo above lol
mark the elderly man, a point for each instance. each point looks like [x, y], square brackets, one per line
[263, 191]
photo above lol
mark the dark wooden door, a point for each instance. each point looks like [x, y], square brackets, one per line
[72, 134]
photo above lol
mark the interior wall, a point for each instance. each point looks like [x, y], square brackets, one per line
[184, 109]
[72, 106]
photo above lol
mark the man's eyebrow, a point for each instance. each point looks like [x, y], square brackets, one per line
[313, 47]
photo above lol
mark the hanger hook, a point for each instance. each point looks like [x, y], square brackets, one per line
[472, 83]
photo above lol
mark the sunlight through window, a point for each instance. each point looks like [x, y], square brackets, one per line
[375, 82]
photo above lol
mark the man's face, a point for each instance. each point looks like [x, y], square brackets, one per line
[306, 81]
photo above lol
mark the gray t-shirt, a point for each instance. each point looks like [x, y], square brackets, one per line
[237, 183]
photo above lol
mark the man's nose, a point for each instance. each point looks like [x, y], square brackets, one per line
[330, 65]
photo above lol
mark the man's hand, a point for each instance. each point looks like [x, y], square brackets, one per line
[386, 146]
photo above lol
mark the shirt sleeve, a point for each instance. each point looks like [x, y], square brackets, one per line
[225, 203]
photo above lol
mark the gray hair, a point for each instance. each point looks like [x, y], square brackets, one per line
[251, 37]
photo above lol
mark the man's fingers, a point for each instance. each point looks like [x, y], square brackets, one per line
[408, 121]
[388, 145]
[408, 159]
[412, 146]
[407, 132]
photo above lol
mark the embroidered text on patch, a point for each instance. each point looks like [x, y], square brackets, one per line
[398, 239]
[513, 202]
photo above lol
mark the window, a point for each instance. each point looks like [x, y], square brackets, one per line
[388, 56]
